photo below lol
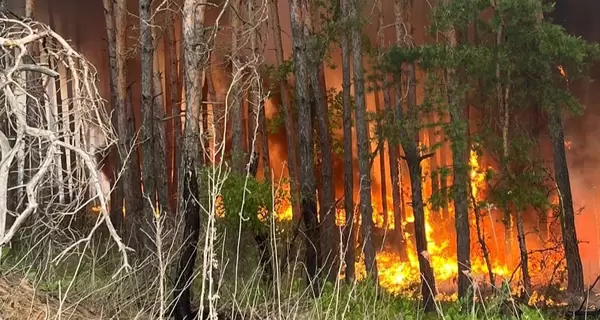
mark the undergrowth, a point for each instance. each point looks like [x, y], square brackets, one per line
[88, 280]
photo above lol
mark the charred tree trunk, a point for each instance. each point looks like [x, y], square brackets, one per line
[300, 33]
[287, 110]
[192, 27]
[362, 137]
[569, 234]
[348, 236]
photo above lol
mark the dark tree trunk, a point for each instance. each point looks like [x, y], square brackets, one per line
[458, 135]
[300, 33]
[524, 255]
[191, 233]
[147, 130]
[264, 130]
[428, 290]
[192, 29]
[238, 148]
[329, 239]
[569, 234]
[116, 197]
[348, 237]
[362, 137]
[410, 141]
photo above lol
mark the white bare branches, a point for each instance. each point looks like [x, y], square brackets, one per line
[51, 134]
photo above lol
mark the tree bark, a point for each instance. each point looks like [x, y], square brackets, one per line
[194, 52]
[159, 141]
[329, 234]
[147, 102]
[409, 138]
[116, 197]
[458, 136]
[300, 33]
[287, 110]
[348, 236]
[428, 287]
[238, 150]
[362, 137]
[575, 284]
[569, 233]
[524, 255]
[175, 110]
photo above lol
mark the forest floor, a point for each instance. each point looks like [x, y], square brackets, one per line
[20, 300]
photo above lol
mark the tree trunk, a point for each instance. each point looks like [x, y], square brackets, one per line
[575, 283]
[300, 33]
[159, 138]
[569, 233]
[132, 190]
[458, 136]
[175, 110]
[287, 110]
[502, 105]
[428, 290]
[192, 27]
[524, 255]
[116, 197]
[147, 102]
[264, 132]
[238, 152]
[328, 230]
[362, 137]
[348, 237]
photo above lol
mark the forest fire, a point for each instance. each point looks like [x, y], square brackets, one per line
[400, 276]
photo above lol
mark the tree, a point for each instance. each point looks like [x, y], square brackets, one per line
[194, 59]
[457, 131]
[300, 34]
[329, 235]
[147, 132]
[408, 127]
[362, 137]
[234, 98]
[125, 159]
[348, 236]
[561, 173]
